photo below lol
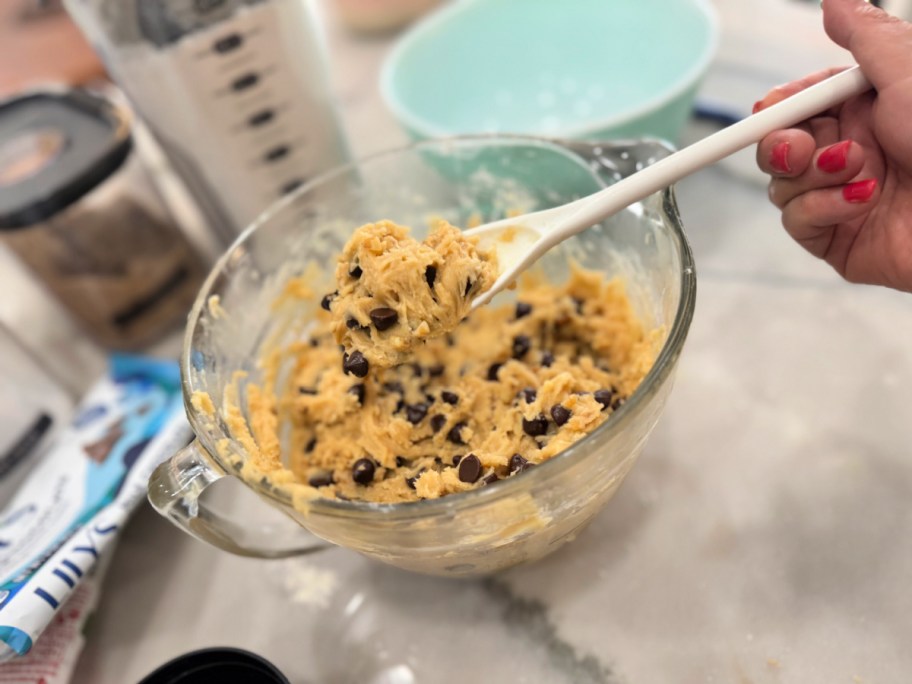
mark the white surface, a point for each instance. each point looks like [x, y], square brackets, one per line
[762, 538]
[899, 8]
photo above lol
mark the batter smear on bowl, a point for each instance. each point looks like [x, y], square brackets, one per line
[506, 389]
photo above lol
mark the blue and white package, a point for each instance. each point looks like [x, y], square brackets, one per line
[80, 494]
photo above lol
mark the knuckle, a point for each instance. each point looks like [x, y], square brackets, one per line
[775, 193]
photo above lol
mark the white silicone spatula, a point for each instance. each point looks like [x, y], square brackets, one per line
[531, 235]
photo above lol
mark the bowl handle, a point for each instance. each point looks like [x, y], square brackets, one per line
[175, 489]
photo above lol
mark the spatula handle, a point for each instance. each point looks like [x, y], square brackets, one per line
[788, 112]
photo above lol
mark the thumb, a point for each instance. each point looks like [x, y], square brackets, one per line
[880, 43]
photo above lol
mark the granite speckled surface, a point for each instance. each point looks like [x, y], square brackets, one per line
[762, 538]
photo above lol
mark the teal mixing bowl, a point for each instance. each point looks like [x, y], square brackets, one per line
[573, 68]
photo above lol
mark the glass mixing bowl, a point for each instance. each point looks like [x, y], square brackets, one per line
[236, 320]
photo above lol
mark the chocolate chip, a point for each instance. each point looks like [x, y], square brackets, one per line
[363, 471]
[455, 433]
[399, 405]
[468, 287]
[394, 386]
[355, 272]
[578, 304]
[307, 390]
[560, 414]
[314, 342]
[358, 391]
[322, 479]
[521, 346]
[450, 340]
[384, 317]
[437, 422]
[309, 447]
[523, 309]
[518, 463]
[417, 370]
[537, 426]
[528, 394]
[492, 370]
[436, 370]
[355, 364]
[415, 413]
[469, 468]
[327, 299]
[352, 323]
[490, 478]
[401, 461]
[430, 275]
[410, 481]
[604, 397]
[547, 359]
[449, 397]
[456, 459]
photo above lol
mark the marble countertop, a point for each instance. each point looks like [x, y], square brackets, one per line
[763, 537]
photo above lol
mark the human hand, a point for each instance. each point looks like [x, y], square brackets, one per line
[843, 179]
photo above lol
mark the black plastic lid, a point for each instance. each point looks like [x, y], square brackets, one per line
[55, 146]
[217, 666]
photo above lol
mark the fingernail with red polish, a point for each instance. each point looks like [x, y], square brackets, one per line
[779, 157]
[758, 105]
[859, 191]
[833, 159]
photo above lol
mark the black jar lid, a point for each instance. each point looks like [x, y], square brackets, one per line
[217, 666]
[55, 147]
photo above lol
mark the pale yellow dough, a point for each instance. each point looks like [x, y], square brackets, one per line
[395, 293]
[466, 392]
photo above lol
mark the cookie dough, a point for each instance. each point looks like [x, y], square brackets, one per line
[510, 387]
[394, 293]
